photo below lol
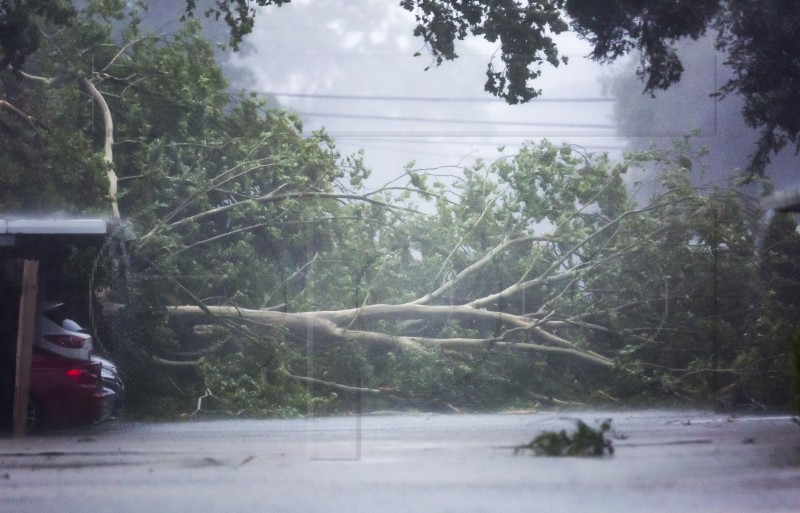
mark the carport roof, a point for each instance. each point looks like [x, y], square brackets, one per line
[54, 226]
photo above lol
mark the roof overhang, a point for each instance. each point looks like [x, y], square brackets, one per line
[54, 226]
[10, 228]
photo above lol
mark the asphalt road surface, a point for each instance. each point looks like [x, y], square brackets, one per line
[664, 461]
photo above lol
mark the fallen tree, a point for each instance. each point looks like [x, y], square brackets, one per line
[543, 261]
[322, 327]
[587, 233]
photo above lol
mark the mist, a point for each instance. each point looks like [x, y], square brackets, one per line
[645, 121]
[323, 53]
[350, 68]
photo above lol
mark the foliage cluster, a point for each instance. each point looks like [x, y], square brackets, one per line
[255, 382]
[585, 441]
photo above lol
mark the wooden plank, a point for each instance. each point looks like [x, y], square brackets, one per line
[25, 335]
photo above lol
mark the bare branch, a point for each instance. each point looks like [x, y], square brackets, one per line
[272, 197]
[108, 152]
[547, 275]
[8, 106]
[460, 243]
[344, 388]
[324, 326]
[34, 78]
[481, 263]
[125, 48]
[174, 363]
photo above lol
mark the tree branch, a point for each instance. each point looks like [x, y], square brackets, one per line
[475, 267]
[344, 388]
[272, 197]
[28, 119]
[324, 326]
[108, 152]
[547, 275]
[125, 47]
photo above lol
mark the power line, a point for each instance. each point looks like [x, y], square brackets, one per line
[458, 121]
[485, 134]
[355, 141]
[347, 97]
[446, 134]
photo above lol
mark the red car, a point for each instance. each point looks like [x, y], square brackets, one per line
[65, 392]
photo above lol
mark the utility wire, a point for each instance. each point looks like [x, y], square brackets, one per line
[447, 134]
[354, 141]
[347, 97]
[458, 121]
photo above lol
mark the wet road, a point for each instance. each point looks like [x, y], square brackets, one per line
[664, 462]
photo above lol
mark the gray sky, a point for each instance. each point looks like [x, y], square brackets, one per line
[348, 65]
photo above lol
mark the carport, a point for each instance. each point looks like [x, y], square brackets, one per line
[24, 243]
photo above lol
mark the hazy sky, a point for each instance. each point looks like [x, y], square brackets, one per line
[349, 65]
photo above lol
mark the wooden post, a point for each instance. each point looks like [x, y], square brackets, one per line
[26, 332]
